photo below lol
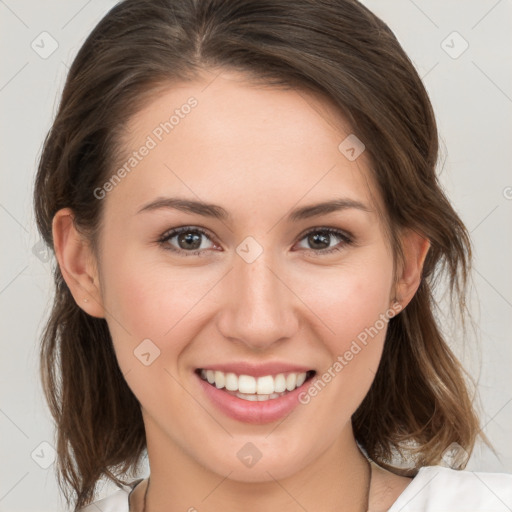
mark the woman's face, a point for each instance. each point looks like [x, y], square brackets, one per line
[254, 280]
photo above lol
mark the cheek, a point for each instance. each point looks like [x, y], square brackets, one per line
[143, 289]
[348, 299]
[151, 320]
[353, 306]
[143, 301]
[150, 299]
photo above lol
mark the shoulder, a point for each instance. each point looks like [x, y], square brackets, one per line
[118, 501]
[439, 489]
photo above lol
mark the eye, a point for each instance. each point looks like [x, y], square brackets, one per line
[188, 239]
[319, 240]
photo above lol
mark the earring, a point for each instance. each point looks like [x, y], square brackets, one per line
[86, 300]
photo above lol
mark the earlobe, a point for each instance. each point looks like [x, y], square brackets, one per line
[77, 263]
[415, 250]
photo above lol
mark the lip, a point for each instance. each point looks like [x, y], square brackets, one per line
[257, 370]
[252, 412]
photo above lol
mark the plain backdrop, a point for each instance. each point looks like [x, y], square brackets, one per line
[462, 50]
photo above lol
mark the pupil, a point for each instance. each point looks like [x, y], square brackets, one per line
[319, 239]
[192, 240]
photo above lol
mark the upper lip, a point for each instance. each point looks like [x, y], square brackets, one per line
[257, 370]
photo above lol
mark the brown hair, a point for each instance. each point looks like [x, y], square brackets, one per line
[419, 401]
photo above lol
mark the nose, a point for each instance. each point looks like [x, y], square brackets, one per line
[259, 308]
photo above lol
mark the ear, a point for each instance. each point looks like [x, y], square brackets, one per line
[77, 263]
[415, 249]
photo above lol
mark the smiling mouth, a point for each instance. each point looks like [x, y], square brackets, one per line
[255, 389]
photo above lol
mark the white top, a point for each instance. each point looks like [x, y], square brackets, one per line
[433, 489]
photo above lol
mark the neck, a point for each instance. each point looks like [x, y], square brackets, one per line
[338, 480]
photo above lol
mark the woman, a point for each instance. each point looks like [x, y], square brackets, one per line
[243, 204]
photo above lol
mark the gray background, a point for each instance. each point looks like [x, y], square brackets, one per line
[471, 92]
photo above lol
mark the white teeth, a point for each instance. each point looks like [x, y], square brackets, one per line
[246, 384]
[250, 398]
[231, 382]
[300, 379]
[280, 383]
[291, 381]
[255, 388]
[220, 379]
[259, 398]
[265, 385]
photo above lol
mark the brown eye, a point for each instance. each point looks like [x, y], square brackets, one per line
[189, 240]
[186, 239]
[319, 240]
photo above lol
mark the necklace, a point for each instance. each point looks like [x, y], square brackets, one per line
[367, 497]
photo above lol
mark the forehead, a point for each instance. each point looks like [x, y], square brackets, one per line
[224, 133]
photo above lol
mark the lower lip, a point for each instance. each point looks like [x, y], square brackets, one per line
[253, 412]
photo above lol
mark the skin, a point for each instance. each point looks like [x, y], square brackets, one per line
[258, 152]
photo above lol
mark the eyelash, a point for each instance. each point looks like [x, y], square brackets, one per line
[164, 239]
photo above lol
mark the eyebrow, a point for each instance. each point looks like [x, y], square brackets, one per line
[217, 212]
